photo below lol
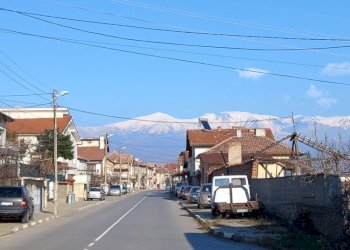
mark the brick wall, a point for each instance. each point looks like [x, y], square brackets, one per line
[319, 196]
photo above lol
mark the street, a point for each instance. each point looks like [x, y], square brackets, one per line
[146, 220]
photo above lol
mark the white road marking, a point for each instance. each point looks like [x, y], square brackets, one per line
[91, 244]
[115, 223]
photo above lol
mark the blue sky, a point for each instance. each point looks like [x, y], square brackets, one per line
[183, 81]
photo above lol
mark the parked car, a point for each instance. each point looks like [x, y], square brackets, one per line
[96, 193]
[124, 190]
[178, 187]
[167, 187]
[16, 202]
[185, 192]
[204, 196]
[114, 190]
[192, 195]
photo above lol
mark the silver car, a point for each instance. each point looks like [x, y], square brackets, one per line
[204, 196]
[96, 193]
[114, 190]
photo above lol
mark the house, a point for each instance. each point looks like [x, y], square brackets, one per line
[252, 152]
[9, 156]
[120, 169]
[27, 125]
[199, 141]
[4, 119]
[164, 175]
[92, 153]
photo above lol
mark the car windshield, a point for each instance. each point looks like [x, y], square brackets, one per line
[115, 187]
[206, 188]
[95, 189]
[10, 192]
[194, 189]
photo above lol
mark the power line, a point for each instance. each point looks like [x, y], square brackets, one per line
[208, 17]
[24, 95]
[205, 54]
[16, 101]
[183, 44]
[20, 77]
[179, 31]
[22, 69]
[182, 60]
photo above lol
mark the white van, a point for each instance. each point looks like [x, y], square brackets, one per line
[235, 180]
[231, 194]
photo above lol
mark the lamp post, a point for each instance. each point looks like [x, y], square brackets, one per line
[54, 97]
[120, 169]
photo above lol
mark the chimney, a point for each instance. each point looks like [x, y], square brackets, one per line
[234, 153]
[218, 128]
[260, 132]
[102, 142]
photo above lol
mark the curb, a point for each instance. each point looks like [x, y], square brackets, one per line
[222, 234]
[32, 224]
[90, 205]
[40, 221]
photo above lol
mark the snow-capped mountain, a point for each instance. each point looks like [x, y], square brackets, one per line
[160, 137]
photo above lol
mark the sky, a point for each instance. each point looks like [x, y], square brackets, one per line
[184, 58]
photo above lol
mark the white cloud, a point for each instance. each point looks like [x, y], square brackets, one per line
[326, 102]
[337, 69]
[252, 73]
[322, 98]
[313, 92]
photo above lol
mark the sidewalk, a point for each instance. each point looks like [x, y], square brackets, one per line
[8, 226]
[258, 231]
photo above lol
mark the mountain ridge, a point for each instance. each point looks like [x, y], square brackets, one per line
[165, 134]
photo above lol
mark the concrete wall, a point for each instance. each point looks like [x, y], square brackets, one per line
[318, 196]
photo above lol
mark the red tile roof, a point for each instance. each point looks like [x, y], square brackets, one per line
[38, 125]
[125, 158]
[251, 145]
[91, 153]
[213, 137]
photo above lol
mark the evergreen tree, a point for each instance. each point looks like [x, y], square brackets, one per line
[46, 145]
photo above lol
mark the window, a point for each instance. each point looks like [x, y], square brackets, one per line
[221, 182]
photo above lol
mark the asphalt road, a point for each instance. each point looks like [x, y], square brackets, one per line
[147, 220]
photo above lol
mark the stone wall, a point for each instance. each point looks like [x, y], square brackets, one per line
[318, 197]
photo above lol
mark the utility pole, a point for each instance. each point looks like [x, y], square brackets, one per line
[54, 97]
[54, 93]
[105, 159]
[120, 169]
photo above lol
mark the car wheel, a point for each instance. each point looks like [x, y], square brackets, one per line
[25, 218]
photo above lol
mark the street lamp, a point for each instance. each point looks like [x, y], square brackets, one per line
[54, 97]
[120, 169]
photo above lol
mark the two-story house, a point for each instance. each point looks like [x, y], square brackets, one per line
[252, 152]
[120, 169]
[92, 154]
[29, 123]
[199, 141]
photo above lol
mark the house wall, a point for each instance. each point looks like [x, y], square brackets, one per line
[318, 196]
[269, 170]
[2, 133]
[249, 169]
[195, 163]
[26, 113]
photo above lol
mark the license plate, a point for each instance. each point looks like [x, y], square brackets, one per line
[242, 210]
[4, 203]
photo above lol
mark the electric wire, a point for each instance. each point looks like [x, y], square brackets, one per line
[182, 60]
[184, 44]
[179, 31]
